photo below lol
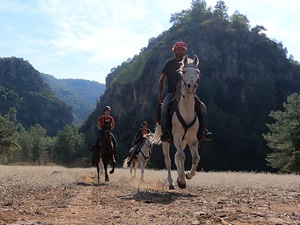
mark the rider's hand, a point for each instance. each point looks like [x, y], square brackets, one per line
[159, 98]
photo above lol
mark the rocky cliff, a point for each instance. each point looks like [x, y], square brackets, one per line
[22, 87]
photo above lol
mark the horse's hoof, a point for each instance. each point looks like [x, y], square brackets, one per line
[112, 171]
[187, 177]
[181, 185]
[106, 179]
[171, 187]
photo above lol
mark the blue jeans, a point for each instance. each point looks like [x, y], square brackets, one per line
[165, 111]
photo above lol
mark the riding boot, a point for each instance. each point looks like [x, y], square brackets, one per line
[200, 109]
[166, 135]
[166, 117]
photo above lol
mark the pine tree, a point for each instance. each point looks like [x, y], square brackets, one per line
[8, 139]
[284, 136]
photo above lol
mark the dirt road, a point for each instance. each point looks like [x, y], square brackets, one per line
[127, 201]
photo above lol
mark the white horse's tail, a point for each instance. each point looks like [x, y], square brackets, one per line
[125, 164]
[156, 138]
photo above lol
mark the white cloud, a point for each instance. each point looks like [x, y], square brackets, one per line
[86, 38]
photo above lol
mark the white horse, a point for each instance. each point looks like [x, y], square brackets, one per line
[142, 157]
[185, 124]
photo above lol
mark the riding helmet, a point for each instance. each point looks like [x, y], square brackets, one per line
[106, 108]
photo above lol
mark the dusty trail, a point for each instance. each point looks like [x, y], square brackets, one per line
[124, 201]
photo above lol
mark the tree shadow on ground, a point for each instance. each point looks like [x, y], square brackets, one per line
[156, 197]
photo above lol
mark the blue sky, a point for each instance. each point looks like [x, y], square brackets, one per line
[86, 38]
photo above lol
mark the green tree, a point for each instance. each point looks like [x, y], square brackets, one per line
[36, 146]
[221, 10]
[24, 140]
[8, 139]
[284, 136]
[69, 145]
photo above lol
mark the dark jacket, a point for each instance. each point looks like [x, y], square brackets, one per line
[139, 137]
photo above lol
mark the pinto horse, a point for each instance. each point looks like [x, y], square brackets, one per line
[106, 151]
[142, 157]
[185, 124]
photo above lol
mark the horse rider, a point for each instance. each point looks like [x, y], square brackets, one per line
[138, 140]
[108, 122]
[171, 74]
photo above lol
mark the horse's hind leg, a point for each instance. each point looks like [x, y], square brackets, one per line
[136, 165]
[195, 159]
[131, 167]
[168, 163]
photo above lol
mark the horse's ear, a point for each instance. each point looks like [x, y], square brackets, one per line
[185, 61]
[196, 60]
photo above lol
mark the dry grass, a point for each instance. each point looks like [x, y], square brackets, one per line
[238, 181]
[17, 180]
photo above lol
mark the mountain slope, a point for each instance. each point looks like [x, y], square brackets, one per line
[81, 94]
[22, 87]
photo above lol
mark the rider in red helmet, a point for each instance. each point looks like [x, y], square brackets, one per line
[171, 74]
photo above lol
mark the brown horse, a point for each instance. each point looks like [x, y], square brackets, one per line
[106, 151]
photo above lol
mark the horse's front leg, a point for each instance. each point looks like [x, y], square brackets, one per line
[131, 168]
[166, 151]
[195, 158]
[105, 169]
[179, 161]
[142, 169]
[98, 171]
[136, 165]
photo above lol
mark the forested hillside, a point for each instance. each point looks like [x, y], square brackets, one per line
[244, 76]
[23, 91]
[81, 94]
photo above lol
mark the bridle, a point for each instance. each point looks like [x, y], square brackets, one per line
[187, 86]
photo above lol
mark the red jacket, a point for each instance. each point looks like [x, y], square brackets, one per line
[102, 120]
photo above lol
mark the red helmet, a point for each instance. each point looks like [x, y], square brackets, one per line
[179, 44]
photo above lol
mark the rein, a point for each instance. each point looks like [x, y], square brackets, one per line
[181, 120]
[183, 123]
